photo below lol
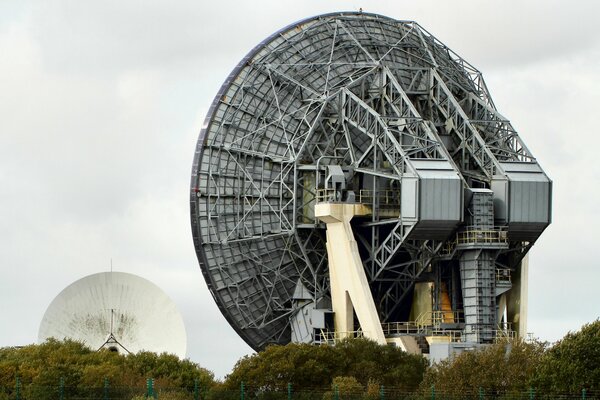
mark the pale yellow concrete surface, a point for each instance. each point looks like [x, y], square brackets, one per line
[408, 343]
[349, 286]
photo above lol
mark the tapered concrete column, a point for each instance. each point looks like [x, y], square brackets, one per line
[349, 286]
[516, 299]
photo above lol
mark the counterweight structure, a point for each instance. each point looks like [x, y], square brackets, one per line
[354, 177]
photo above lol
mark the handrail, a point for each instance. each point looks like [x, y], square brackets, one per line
[498, 334]
[330, 337]
[455, 335]
[327, 196]
[479, 236]
[503, 275]
[421, 327]
[436, 318]
[472, 236]
[391, 328]
[383, 198]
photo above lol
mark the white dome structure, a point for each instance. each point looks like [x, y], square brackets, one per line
[116, 310]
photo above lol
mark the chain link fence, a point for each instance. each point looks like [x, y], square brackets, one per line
[246, 392]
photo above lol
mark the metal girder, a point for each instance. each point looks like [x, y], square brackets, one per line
[458, 123]
[497, 131]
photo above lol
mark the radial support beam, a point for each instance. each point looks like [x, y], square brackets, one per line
[458, 122]
[497, 131]
[349, 285]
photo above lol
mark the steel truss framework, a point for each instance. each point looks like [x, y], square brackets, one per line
[362, 91]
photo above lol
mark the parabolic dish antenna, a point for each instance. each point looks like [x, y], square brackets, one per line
[118, 311]
[360, 116]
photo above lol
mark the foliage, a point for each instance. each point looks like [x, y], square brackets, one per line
[502, 368]
[346, 387]
[352, 369]
[302, 365]
[373, 391]
[309, 367]
[41, 369]
[573, 363]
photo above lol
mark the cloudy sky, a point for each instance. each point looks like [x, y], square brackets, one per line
[101, 103]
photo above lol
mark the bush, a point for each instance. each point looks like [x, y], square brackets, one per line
[308, 367]
[498, 369]
[573, 363]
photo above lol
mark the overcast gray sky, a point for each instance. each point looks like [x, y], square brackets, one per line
[101, 103]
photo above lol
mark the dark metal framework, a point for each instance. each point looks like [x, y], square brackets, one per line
[366, 92]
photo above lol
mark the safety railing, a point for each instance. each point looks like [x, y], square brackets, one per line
[481, 236]
[400, 328]
[505, 325]
[436, 318]
[454, 335]
[447, 248]
[472, 236]
[503, 275]
[410, 328]
[427, 324]
[500, 333]
[505, 331]
[328, 196]
[324, 336]
[383, 198]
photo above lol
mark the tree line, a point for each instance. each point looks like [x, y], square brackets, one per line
[356, 368]
[41, 371]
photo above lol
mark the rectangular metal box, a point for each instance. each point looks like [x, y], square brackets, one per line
[523, 201]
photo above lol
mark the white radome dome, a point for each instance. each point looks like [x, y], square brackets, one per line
[116, 310]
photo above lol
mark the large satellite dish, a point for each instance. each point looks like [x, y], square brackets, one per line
[362, 109]
[118, 311]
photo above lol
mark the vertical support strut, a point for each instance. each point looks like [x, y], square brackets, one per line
[477, 270]
[516, 302]
[349, 286]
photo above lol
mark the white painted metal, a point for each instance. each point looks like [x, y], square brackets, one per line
[138, 314]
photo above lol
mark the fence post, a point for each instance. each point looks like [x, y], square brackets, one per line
[480, 393]
[242, 391]
[105, 388]
[381, 393]
[196, 391]
[18, 389]
[336, 392]
[289, 387]
[531, 393]
[432, 392]
[583, 393]
[61, 389]
[149, 387]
